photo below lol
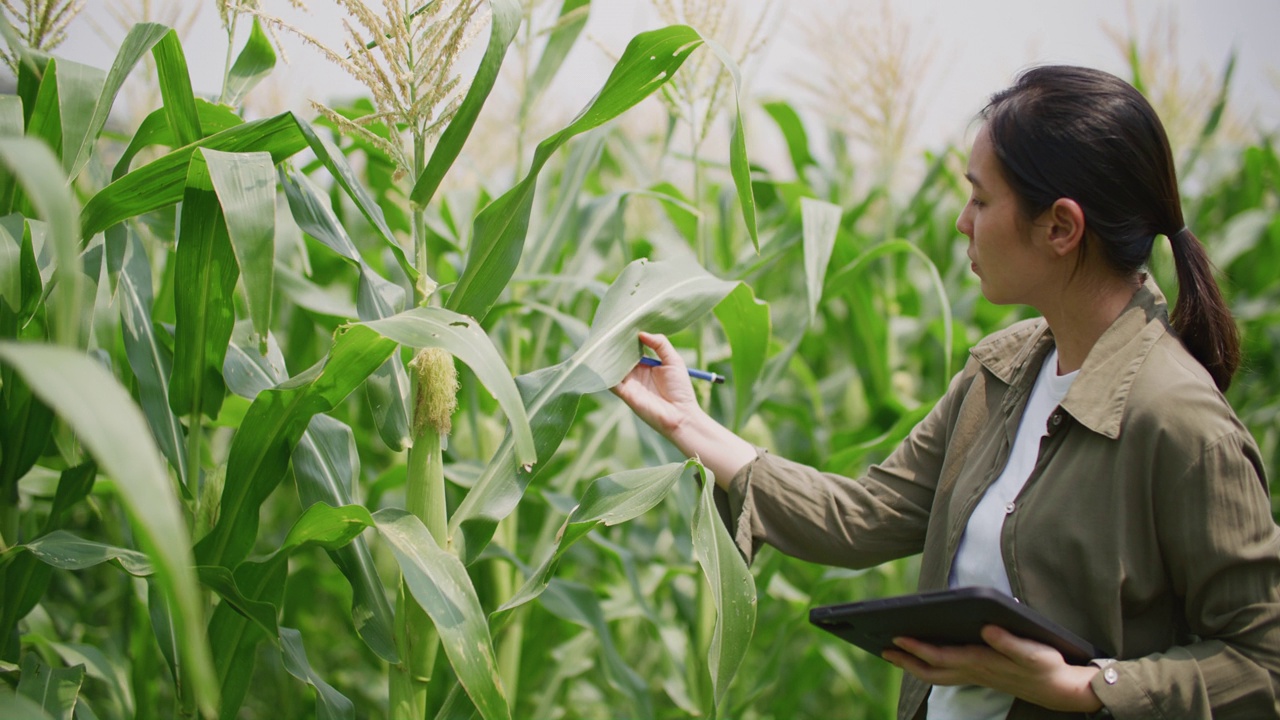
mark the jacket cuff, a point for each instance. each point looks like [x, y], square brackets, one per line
[736, 507]
[1121, 694]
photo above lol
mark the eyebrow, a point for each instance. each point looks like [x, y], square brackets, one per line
[973, 179]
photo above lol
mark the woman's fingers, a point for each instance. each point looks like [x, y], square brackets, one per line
[665, 351]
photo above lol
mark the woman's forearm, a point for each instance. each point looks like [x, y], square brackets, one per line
[716, 447]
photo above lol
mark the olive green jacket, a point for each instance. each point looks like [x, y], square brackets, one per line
[1145, 526]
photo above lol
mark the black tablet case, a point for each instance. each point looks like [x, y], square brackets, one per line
[947, 617]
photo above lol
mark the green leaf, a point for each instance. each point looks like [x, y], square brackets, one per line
[499, 233]
[259, 454]
[160, 183]
[793, 132]
[464, 338]
[739, 167]
[747, 325]
[732, 587]
[12, 229]
[506, 16]
[44, 121]
[246, 187]
[110, 426]
[140, 40]
[330, 704]
[255, 62]
[440, 584]
[660, 297]
[820, 222]
[150, 362]
[37, 171]
[205, 283]
[20, 707]
[222, 581]
[175, 89]
[324, 463]
[155, 130]
[78, 88]
[610, 500]
[54, 689]
[74, 485]
[67, 551]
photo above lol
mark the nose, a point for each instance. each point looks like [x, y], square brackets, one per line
[964, 222]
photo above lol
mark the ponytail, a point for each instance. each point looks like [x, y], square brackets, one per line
[1201, 316]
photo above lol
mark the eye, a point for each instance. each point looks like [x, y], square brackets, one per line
[974, 201]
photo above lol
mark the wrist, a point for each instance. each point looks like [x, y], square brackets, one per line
[715, 446]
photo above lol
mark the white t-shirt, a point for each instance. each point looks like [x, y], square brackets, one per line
[979, 560]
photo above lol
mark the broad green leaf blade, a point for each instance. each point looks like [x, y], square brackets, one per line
[38, 173]
[160, 183]
[660, 297]
[112, 428]
[505, 21]
[246, 187]
[610, 500]
[259, 454]
[155, 130]
[141, 38]
[11, 116]
[793, 133]
[44, 122]
[820, 221]
[333, 160]
[150, 362]
[498, 238]
[175, 89]
[20, 707]
[223, 582]
[464, 338]
[732, 588]
[255, 62]
[747, 325]
[235, 639]
[78, 89]
[324, 463]
[440, 584]
[67, 551]
[54, 689]
[11, 231]
[74, 485]
[739, 167]
[330, 704]
[204, 298]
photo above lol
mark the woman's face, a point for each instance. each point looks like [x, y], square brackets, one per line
[1007, 253]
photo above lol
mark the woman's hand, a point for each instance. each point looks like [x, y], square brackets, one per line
[1023, 668]
[663, 397]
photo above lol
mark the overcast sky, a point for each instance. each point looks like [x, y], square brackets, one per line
[977, 45]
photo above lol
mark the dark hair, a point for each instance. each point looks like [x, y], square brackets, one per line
[1084, 134]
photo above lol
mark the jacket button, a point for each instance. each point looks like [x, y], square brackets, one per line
[1110, 675]
[1057, 419]
[1009, 508]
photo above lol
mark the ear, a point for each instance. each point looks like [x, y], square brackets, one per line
[1065, 220]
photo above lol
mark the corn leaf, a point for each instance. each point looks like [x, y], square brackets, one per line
[738, 165]
[54, 689]
[324, 464]
[150, 362]
[747, 325]
[499, 232]
[67, 551]
[733, 590]
[36, 170]
[273, 425]
[113, 430]
[820, 221]
[206, 273]
[256, 60]
[155, 130]
[657, 297]
[506, 16]
[245, 184]
[572, 19]
[439, 583]
[20, 707]
[330, 704]
[175, 89]
[160, 183]
[793, 133]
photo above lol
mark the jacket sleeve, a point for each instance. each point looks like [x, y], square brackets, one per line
[1222, 549]
[834, 520]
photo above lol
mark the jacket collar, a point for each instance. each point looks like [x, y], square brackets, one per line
[1100, 392]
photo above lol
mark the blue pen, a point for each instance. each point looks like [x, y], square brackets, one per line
[699, 374]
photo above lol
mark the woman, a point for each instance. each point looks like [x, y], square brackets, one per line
[1084, 462]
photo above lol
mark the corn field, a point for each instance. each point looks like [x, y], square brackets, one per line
[290, 426]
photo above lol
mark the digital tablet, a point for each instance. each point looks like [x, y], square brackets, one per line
[947, 617]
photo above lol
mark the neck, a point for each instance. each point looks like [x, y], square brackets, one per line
[1082, 312]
